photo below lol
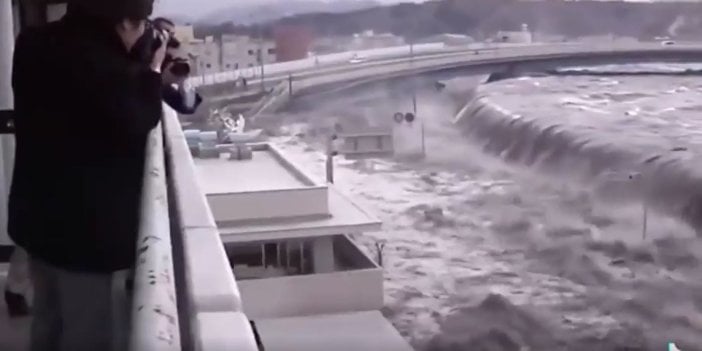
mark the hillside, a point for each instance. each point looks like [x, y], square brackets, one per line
[246, 13]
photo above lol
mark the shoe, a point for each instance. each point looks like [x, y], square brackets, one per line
[16, 304]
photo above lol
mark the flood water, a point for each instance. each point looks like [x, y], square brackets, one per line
[524, 227]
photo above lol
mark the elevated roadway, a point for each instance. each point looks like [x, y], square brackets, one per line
[504, 61]
[510, 62]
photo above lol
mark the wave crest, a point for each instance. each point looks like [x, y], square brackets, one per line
[670, 181]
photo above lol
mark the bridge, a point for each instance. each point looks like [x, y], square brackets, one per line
[502, 61]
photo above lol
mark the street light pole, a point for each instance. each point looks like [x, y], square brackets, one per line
[414, 91]
[260, 58]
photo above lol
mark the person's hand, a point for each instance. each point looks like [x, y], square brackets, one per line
[169, 78]
[160, 54]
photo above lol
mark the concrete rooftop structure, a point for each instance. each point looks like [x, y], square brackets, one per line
[268, 197]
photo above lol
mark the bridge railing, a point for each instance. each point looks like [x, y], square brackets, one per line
[185, 294]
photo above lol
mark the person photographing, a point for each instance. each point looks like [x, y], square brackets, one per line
[176, 92]
[84, 109]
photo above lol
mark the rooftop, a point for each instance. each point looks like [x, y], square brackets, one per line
[264, 171]
[268, 197]
[345, 217]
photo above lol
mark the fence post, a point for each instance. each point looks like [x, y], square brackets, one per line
[290, 87]
[330, 158]
[380, 246]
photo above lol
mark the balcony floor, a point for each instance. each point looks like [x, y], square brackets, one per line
[14, 333]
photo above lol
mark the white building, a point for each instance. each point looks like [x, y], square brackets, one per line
[231, 52]
[523, 36]
[206, 55]
[298, 271]
[370, 40]
[243, 52]
[448, 39]
[185, 34]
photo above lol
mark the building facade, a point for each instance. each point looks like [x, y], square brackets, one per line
[522, 37]
[239, 52]
[292, 43]
[205, 55]
[370, 40]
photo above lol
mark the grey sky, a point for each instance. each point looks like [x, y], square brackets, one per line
[195, 8]
[199, 7]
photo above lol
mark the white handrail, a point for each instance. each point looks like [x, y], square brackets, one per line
[215, 306]
[154, 310]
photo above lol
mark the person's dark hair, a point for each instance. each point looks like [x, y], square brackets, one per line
[162, 20]
[113, 11]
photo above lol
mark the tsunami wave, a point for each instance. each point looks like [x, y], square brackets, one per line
[643, 69]
[669, 181]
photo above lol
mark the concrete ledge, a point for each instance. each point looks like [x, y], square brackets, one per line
[210, 278]
[228, 331]
[192, 204]
[367, 331]
[211, 283]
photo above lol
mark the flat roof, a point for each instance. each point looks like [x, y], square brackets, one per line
[346, 217]
[367, 331]
[264, 171]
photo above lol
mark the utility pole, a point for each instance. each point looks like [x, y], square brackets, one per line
[331, 152]
[414, 90]
[290, 87]
[260, 57]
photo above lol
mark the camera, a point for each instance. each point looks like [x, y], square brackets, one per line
[179, 65]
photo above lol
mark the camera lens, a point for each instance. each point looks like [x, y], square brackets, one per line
[180, 68]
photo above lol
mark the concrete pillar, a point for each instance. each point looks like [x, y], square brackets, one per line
[7, 149]
[323, 254]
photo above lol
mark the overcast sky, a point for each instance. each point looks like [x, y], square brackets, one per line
[194, 8]
[199, 7]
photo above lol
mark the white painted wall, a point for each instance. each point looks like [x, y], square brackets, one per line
[408, 139]
[207, 55]
[319, 293]
[360, 290]
[323, 260]
[242, 53]
[269, 204]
